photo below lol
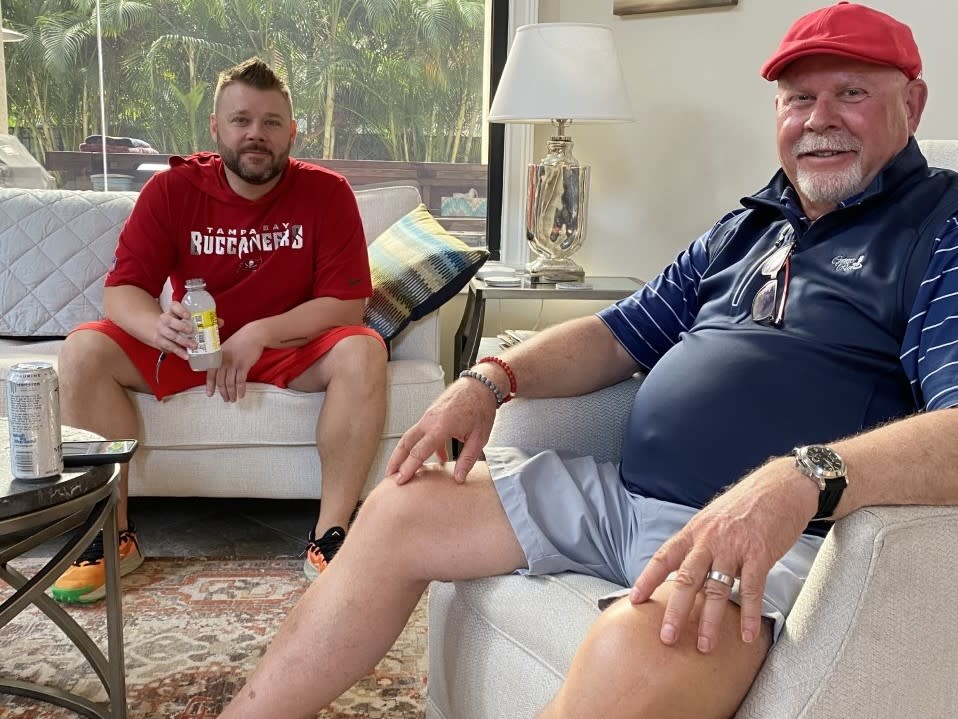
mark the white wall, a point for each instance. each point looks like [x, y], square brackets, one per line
[704, 133]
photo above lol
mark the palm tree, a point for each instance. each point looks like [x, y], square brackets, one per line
[451, 30]
[383, 79]
[400, 82]
[190, 43]
[53, 67]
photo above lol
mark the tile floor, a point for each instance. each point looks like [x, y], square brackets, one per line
[222, 528]
[218, 528]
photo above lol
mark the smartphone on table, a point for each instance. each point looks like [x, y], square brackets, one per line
[107, 451]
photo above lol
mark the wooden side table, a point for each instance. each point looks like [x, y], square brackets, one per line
[33, 511]
[469, 334]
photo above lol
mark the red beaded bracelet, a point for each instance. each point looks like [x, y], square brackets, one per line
[513, 387]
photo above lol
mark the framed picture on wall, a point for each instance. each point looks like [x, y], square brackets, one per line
[637, 7]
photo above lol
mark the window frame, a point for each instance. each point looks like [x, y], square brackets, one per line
[510, 146]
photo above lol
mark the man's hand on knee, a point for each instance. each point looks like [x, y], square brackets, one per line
[740, 534]
[464, 411]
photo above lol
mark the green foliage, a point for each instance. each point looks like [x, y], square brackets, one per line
[370, 79]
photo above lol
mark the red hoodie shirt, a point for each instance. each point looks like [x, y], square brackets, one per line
[302, 240]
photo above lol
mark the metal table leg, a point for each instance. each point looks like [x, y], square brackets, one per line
[459, 341]
[116, 680]
[469, 333]
[110, 670]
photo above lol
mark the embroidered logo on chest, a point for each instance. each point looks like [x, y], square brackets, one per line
[249, 264]
[848, 264]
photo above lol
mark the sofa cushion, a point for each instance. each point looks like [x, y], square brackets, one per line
[57, 245]
[416, 267]
[270, 415]
[503, 642]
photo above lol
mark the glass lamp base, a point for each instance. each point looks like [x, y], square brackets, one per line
[546, 270]
[557, 204]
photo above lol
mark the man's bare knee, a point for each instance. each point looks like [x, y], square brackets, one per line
[358, 356]
[357, 362]
[390, 506]
[435, 525]
[88, 356]
[83, 352]
[625, 670]
[395, 520]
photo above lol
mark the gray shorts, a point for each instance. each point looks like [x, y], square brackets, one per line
[572, 514]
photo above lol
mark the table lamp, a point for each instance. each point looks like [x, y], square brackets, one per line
[560, 73]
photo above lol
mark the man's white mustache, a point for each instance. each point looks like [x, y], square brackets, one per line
[824, 143]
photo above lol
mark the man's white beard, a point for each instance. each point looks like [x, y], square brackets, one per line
[830, 188]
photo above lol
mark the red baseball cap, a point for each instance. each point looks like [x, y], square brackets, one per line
[849, 30]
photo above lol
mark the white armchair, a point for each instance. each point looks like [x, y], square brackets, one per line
[873, 633]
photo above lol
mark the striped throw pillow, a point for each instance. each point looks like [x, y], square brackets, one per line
[416, 267]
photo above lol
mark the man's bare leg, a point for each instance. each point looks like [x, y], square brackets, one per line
[431, 528]
[350, 425]
[94, 374]
[623, 671]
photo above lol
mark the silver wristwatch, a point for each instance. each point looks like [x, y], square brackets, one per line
[824, 466]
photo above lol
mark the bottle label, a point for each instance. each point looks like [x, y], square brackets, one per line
[207, 333]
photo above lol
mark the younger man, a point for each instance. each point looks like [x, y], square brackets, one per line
[280, 245]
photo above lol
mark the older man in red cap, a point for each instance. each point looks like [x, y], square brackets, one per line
[810, 333]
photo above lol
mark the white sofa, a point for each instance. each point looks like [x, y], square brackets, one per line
[55, 247]
[872, 634]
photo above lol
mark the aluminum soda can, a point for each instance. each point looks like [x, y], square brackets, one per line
[33, 415]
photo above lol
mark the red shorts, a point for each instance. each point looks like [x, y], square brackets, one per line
[276, 366]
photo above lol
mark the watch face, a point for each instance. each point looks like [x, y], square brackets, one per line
[825, 460]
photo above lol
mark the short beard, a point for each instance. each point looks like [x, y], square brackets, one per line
[233, 161]
[829, 188]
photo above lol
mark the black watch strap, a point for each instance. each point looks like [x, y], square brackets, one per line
[829, 497]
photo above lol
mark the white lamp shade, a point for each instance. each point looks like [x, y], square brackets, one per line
[562, 70]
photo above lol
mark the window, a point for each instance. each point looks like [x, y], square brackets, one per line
[383, 92]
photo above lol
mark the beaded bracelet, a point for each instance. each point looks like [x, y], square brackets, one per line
[472, 374]
[513, 387]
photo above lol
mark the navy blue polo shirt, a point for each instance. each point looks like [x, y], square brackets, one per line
[723, 393]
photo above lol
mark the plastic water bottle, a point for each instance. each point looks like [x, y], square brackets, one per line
[202, 307]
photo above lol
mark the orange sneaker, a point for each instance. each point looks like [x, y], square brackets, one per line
[320, 552]
[85, 581]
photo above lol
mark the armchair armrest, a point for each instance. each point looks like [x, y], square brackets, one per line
[874, 631]
[591, 424]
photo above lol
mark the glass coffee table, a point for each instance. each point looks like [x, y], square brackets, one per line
[75, 506]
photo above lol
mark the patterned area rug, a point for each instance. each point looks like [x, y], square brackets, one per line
[193, 630]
